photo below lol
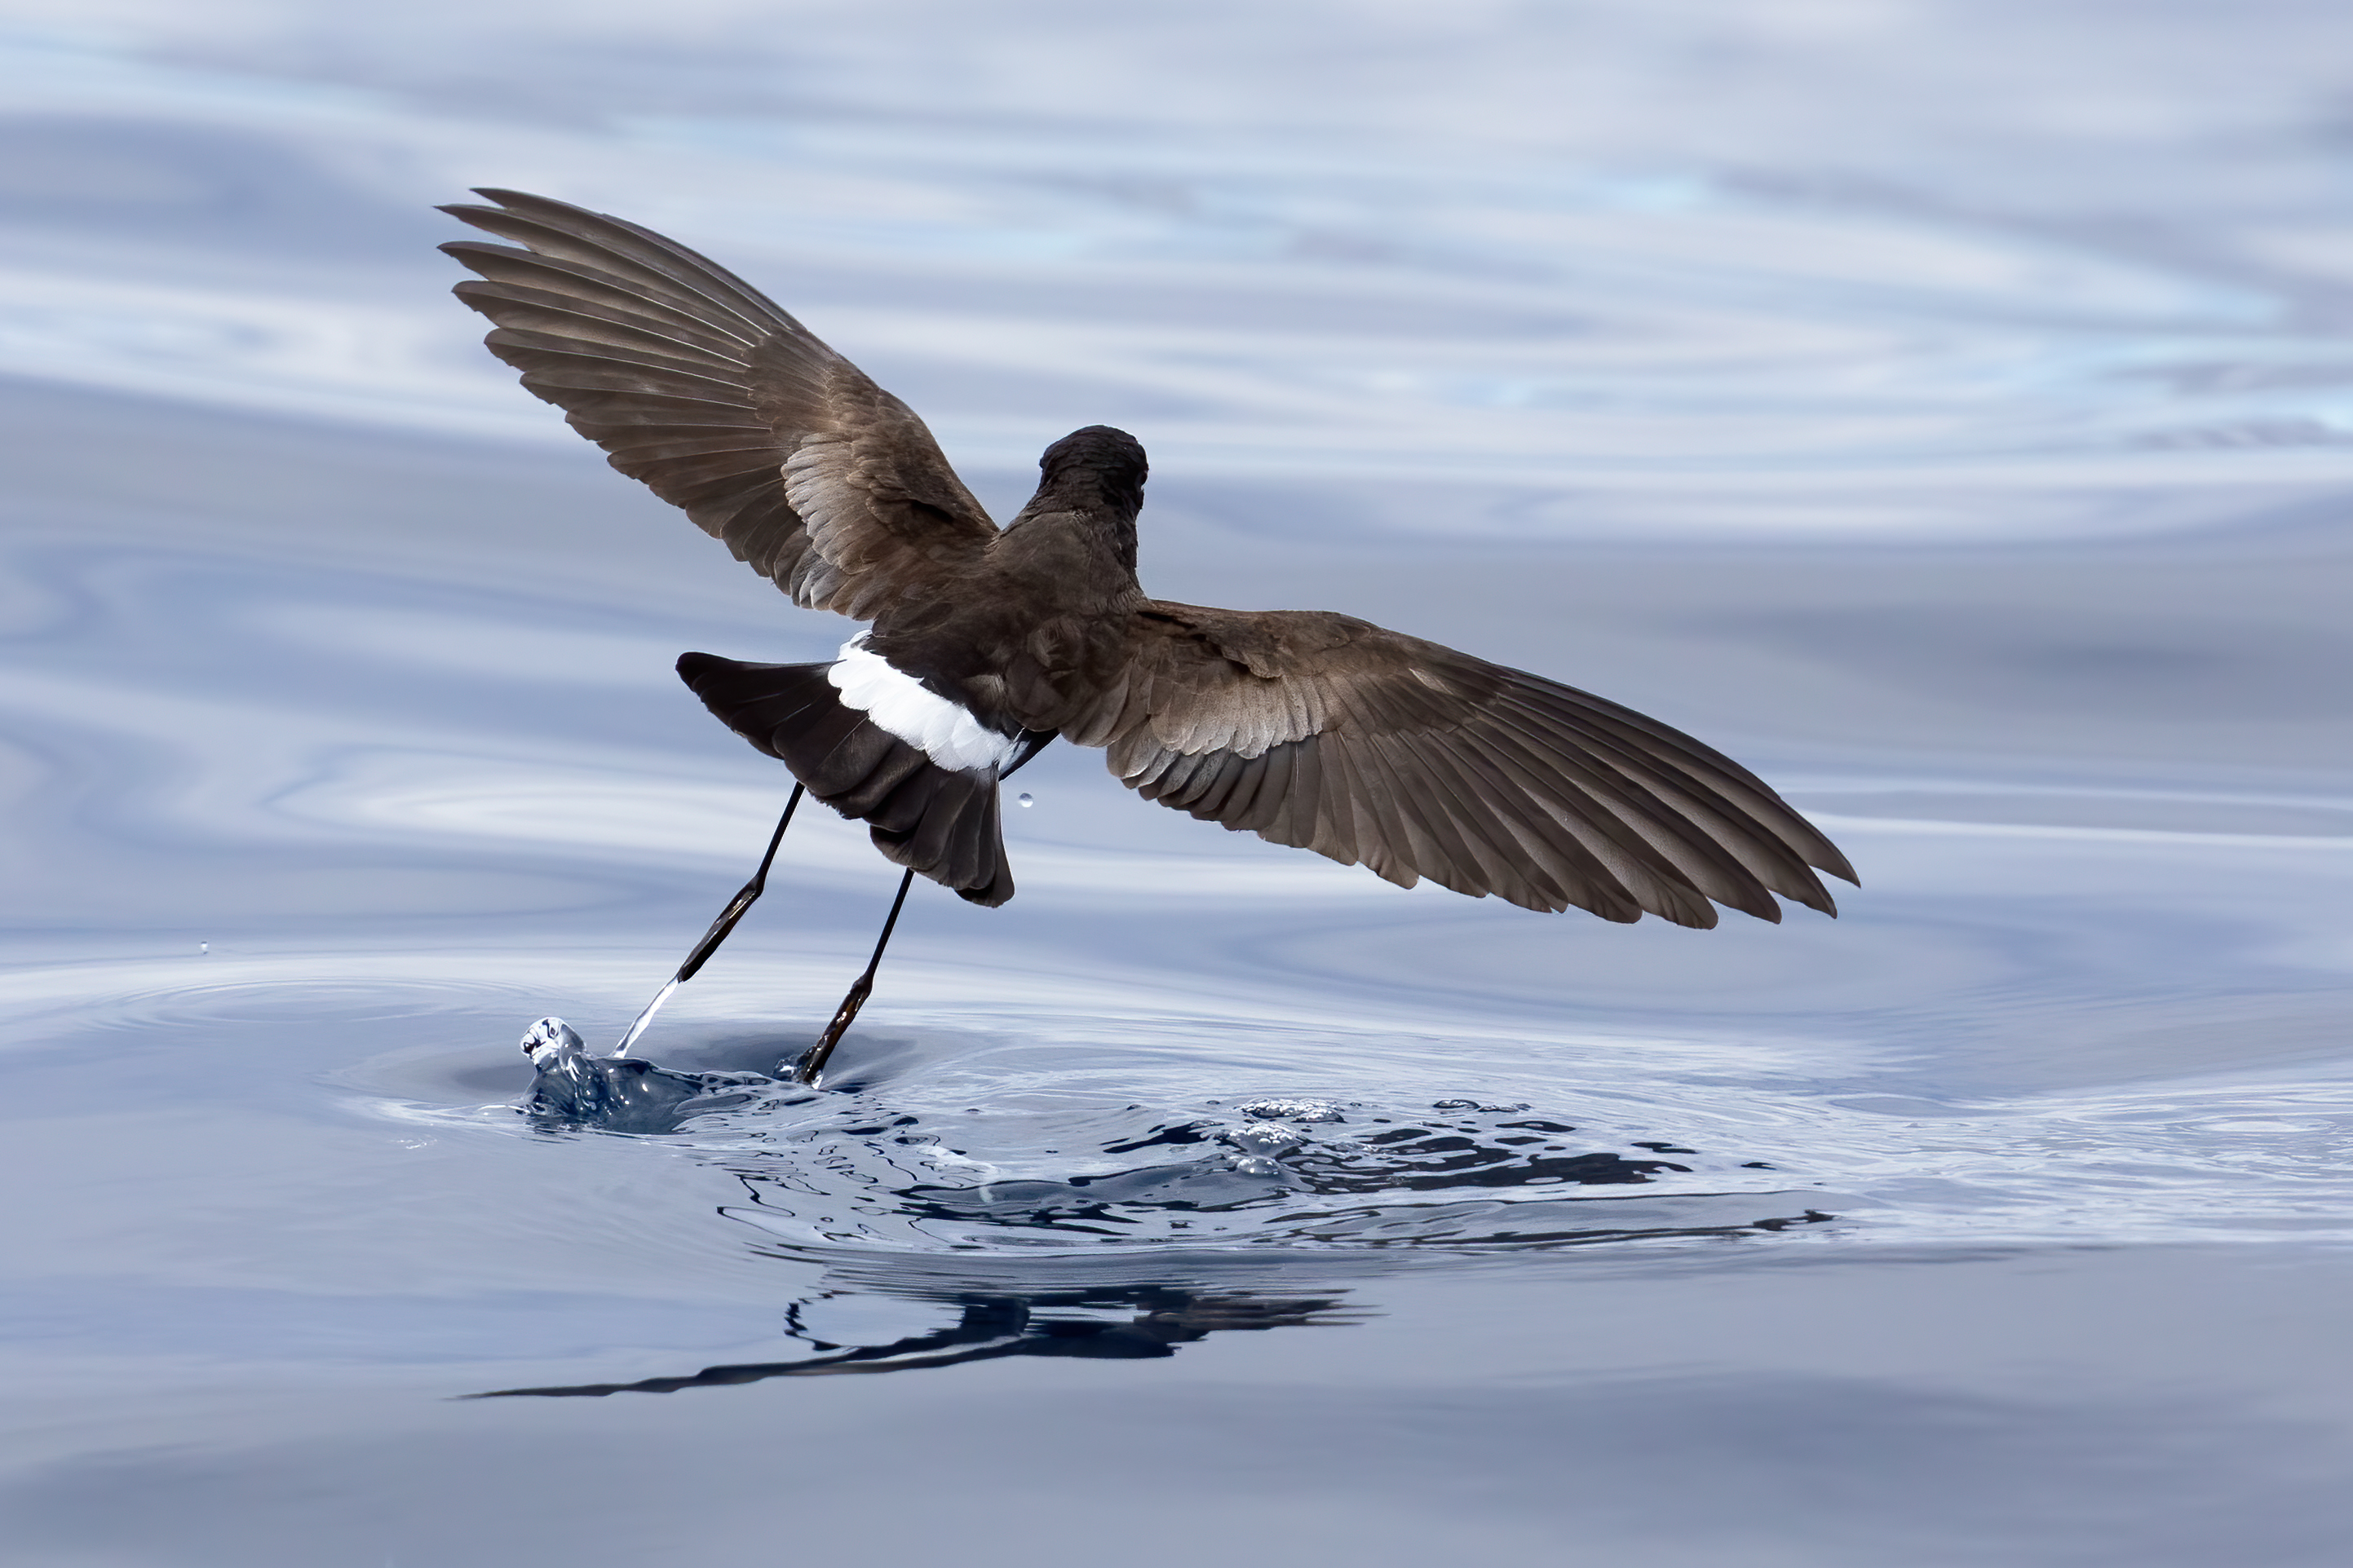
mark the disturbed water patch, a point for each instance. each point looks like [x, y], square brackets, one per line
[1054, 1165]
[1450, 1175]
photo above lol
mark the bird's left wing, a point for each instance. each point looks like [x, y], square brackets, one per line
[1332, 734]
[696, 384]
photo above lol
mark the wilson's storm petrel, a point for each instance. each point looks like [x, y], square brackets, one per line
[1306, 728]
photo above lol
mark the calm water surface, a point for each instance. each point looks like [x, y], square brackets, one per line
[1947, 409]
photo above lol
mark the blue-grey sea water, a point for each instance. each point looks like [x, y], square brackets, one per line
[1945, 406]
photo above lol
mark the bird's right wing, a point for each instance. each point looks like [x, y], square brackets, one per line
[722, 403]
[1332, 734]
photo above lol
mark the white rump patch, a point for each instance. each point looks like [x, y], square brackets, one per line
[925, 720]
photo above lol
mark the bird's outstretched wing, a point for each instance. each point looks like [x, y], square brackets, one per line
[1332, 734]
[694, 383]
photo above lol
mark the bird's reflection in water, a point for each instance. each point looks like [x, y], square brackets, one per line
[1007, 1315]
[1133, 1322]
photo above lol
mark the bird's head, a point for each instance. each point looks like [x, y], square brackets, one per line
[1096, 465]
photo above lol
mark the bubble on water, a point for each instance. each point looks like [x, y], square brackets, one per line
[1024, 798]
[1290, 1110]
[1263, 1138]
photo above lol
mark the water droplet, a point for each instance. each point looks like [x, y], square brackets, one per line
[204, 947]
[1025, 800]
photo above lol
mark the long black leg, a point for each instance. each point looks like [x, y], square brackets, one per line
[814, 1063]
[743, 899]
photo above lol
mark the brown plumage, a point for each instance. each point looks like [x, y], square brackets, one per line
[1306, 728]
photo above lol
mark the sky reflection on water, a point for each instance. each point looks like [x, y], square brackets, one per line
[1944, 408]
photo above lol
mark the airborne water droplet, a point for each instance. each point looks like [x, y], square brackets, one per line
[1025, 800]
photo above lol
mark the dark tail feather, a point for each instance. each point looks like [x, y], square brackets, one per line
[939, 821]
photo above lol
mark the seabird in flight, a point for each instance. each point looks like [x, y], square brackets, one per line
[984, 644]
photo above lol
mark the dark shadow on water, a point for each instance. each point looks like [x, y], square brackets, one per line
[1148, 1322]
[1083, 1309]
